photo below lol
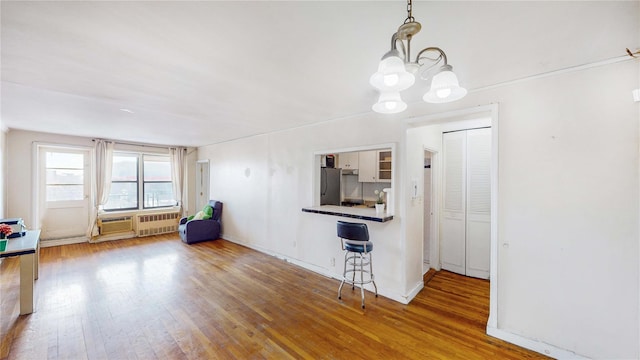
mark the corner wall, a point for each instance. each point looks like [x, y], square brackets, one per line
[567, 274]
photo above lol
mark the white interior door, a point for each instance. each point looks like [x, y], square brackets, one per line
[63, 177]
[202, 184]
[478, 203]
[466, 217]
[452, 237]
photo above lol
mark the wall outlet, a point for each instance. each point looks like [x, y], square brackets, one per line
[333, 261]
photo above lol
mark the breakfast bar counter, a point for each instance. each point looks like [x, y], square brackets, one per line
[360, 213]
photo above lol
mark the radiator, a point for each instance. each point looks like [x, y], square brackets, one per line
[115, 225]
[151, 224]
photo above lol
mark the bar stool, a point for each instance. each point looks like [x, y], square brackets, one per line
[355, 242]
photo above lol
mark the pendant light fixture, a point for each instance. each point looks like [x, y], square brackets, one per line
[397, 72]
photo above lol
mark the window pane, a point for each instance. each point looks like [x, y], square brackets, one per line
[65, 192]
[158, 194]
[64, 160]
[63, 176]
[125, 168]
[157, 168]
[122, 196]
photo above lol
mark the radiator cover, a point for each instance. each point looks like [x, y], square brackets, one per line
[160, 223]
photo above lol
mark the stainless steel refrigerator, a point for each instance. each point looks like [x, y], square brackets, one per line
[330, 186]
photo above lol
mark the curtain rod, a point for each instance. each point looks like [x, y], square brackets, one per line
[142, 145]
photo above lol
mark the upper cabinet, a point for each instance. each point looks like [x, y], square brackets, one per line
[348, 161]
[384, 166]
[374, 166]
[367, 162]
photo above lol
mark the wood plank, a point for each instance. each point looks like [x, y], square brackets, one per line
[158, 298]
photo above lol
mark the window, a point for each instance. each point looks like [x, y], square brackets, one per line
[128, 191]
[158, 188]
[124, 183]
[65, 176]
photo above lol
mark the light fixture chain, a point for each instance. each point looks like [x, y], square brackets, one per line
[410, 17]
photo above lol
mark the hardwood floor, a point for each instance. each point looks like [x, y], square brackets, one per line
[157, 298]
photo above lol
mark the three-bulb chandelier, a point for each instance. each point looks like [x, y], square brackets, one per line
[396, 71]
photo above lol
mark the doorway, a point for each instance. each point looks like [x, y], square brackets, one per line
[465, 238]
[63, 192]
[426, 133]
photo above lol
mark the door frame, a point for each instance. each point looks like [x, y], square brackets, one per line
[206, 185]
[434, 228]
[444, 119]
[35, 184]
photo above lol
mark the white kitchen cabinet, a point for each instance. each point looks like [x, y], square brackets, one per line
[384, 165]
[374, 166]
[367, 166]
[348, 161]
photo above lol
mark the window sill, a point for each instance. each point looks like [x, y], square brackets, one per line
[117, 213]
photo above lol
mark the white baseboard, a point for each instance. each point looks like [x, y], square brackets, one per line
[66, 241]
[414, 292]
[404, 299]
[82, 239]
[118, 236]
[535, 345]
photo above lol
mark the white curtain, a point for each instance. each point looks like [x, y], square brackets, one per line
[104, 166]
[178, 156]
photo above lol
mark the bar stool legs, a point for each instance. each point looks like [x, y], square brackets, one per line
[355, 262]
[357, 247]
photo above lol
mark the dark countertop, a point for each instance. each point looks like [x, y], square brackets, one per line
[360, 213]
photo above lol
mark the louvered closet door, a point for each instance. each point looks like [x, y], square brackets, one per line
[478, 203]
[452, 240]
[466, 217]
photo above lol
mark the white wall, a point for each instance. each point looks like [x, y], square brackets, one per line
[568, 223]
[265, 181]
[568, 205]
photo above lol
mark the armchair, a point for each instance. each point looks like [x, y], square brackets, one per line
[192, 231]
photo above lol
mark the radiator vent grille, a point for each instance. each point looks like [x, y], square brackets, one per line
[151, 224]
[115, 225]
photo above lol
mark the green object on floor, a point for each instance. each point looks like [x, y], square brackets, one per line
[3, 245]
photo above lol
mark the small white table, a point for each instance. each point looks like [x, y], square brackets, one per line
[28, 248]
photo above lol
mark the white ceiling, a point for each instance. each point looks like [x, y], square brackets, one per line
[197, 73]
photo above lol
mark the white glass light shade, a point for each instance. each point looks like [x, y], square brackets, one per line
[444, 87]
[389, 103]
[392, 75]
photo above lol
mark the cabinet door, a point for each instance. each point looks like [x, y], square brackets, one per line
[348, 161]
[367, 166]
[384, 166]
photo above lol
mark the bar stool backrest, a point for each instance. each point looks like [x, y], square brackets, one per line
[353, 231]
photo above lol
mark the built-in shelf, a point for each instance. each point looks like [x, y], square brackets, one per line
[384, 165]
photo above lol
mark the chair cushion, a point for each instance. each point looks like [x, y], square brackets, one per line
[358, 248]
